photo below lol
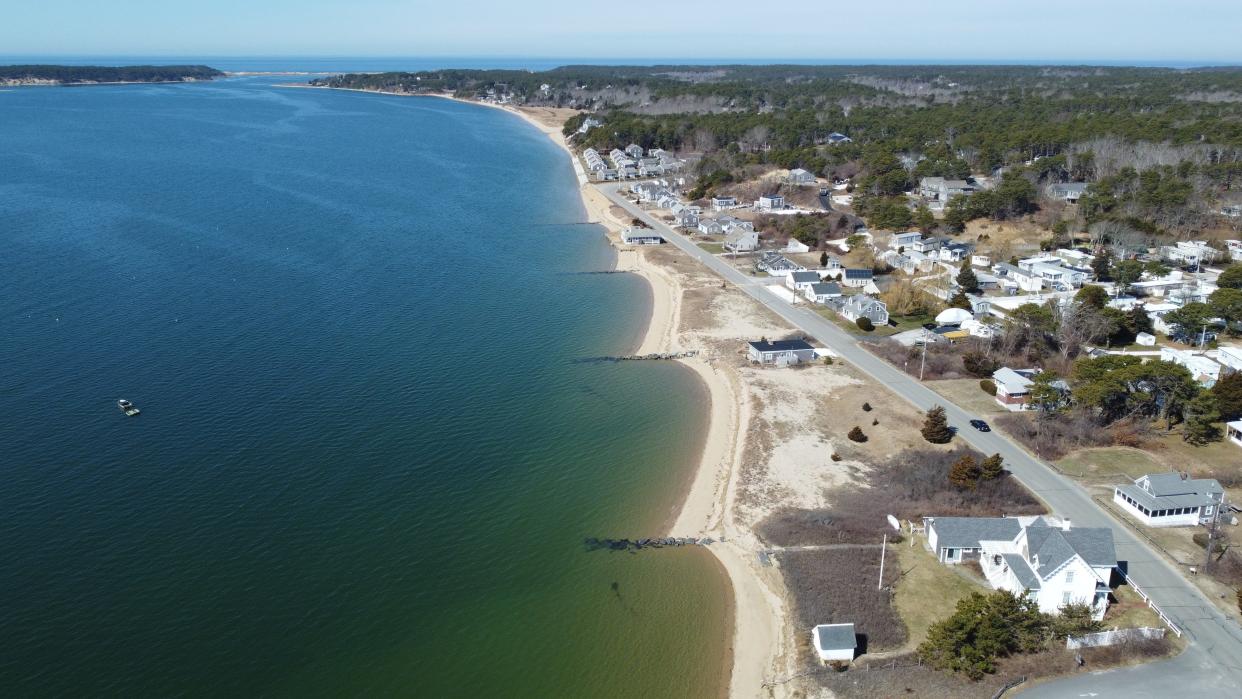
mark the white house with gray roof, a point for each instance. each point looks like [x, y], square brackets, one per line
[1038, 557]
[1170, 500]
[834, 642]
[741, 240]
[1069, 192]
[800, 281]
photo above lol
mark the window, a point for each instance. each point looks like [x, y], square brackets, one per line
[1066, 599]
[1069, 576]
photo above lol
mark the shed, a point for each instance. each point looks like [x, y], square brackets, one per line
[834, 642]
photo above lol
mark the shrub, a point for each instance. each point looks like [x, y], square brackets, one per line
[827, 361]
[856, 435]
[836, 456]
[864, 324]
[875, 422]
[979, 364]
[982, 629]
[988, 386]
[965, 473]
[992, 467]
[936, 426]
[1201, 540]
[866, 407]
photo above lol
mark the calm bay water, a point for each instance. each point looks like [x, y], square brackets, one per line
[368, 453]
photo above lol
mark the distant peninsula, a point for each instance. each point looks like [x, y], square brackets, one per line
[95, 75]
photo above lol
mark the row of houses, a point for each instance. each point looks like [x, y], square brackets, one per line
[630, 163]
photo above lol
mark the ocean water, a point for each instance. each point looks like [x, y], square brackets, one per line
[369, 448]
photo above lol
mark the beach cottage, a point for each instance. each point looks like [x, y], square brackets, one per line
[834, 642]
[1170, 499]
[780, 352]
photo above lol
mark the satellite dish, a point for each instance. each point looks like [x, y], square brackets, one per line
[892, 521]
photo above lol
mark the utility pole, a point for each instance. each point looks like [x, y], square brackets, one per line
[923, 361]
[1203, 336]
[1207, 562]
[883, 550]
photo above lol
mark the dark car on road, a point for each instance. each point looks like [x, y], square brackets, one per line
[980, 425]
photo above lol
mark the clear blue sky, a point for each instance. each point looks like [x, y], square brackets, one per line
[979, 30]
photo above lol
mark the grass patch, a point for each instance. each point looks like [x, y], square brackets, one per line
[1128, 610]
[713, 248]
[1109, 462]
[911, 322]
[967, 394]
[852, 327]
[838, 586]
[928, 591]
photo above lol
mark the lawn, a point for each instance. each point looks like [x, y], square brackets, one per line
[1109, 463]
[911, 322]
[928, 591]
[713, 248]
[852, 327]
[966, 393]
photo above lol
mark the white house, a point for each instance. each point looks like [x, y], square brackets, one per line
[741, 240]
[1233, 431]
[1234, 247]
[1169, 500]
[980, 261]
[768, 202]
[954, 252]
[687, 219]
[1145, 339]
[1013, 388]
[1230, 357]
[1204, 369]
[722, 203]
[834, 642]
[925, 245]
[863, 306]
[1023, 279]
[822, 292]
[800, 281]
[776, 264]
[634, 151]
[1069, 192]
[799, 176]
[905, 240]
[1041, 558]
[640, 236]
[780, 352]
[1189, 253]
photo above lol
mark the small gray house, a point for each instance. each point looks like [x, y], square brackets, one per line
[780, 352]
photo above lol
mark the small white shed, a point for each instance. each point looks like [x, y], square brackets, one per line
[834, 642]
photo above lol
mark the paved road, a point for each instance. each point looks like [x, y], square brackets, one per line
[1214, 660]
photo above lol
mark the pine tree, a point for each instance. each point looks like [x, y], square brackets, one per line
[1102, 265]
[992, 467]
[856, 435]
[936, 427]
[823, 259]
[1228, 392]
[1201, 416]
[966, 279]
[960, 300]
[965, 473]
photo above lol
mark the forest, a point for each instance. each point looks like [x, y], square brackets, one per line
[1161, 145]
[69, 75]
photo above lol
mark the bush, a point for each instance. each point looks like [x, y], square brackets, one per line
[875, 422]
[1201, 540]
[979, 364]
[856, 435]
[864, 324]
[836, 456]
[988, 386]
[983, 629]
[965, 473]
[866, 407]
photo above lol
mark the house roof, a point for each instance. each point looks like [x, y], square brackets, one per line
[835, 637]
[1168, 490]
[804, 277]
[859, 274]
[780, 345]
[1164, 484]
[1012, 380]
[739, 233]
[1022, 571]
[825, 288]
[1055, 546]
[967, 532]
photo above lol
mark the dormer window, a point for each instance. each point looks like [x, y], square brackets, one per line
[1069, 577]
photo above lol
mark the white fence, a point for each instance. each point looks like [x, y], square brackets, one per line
[1112, 638]
[1159, 612]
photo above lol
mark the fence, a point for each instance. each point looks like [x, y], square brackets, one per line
[1113, 637]
[1008, 686]
[1152, 605]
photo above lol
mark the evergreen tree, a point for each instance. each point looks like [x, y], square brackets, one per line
[856, 435]
[823, 259]
[1126, 272]
[960, 300]
[1231, 278]
[965, 473]
[936, 426]
[966, 279]
[1102, 265]
[1201, 416]
[992, 467]
[1228, 394]
[1093, 296]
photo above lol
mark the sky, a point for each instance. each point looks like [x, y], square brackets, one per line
[1134, 31]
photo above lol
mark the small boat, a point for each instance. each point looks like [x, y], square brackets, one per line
[127, 407]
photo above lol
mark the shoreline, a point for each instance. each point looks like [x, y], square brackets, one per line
[758, 615]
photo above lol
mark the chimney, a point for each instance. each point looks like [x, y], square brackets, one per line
[1065, 524]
